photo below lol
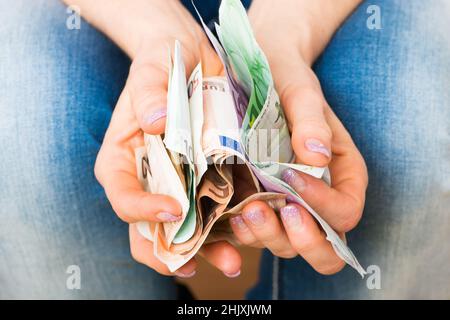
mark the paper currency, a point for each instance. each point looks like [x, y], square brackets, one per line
[195, 95]
[226, 143]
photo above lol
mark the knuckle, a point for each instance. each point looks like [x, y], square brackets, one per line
[309, 117]
[161, 270]
[98, 171]
[164, 272]
[98, 167]
[129, 206]
[365, 172]
[120, 214]
[349, 223]
[256, 244]
[268, 238]
[145, 79]
[245, 240]
[313, 123]
[353, 216]
[361, 171]
[140, 71]
[308, 244]
[330, 269]
[116, 204]
[287, 254]
[272, 236]
[134, 253]
[296, 93]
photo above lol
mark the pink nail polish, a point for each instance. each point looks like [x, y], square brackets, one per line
[256, 217]
[167, 217]
[156, 115]
[233, 275]
[292, 178]
[185, 275]
[238, 222]
[291, 215]
[315, 145]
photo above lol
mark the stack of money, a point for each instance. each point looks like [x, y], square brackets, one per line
[226, 143]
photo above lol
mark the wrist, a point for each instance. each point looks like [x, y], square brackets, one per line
[139, 22]
[303, 26]
[128, 23]
[322, 18]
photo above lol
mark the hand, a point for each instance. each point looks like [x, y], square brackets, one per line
[142, 108]
[115, 170]
[318, 139]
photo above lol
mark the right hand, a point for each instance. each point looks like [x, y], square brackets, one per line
[318, 139]
[142, 108]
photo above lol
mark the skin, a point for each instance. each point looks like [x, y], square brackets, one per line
[144, 29]
[309, 117]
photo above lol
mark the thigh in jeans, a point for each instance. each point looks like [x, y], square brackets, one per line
[391, 89]
[58, 89]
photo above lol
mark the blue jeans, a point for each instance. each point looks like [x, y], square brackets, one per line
[390, 87]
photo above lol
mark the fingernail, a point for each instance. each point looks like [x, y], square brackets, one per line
[315, 145]
[238, 222]
[185, 275]
[256, 217]
[232, 275]
[293, 179]
[291, 215]
[155, 116]
[165, 216]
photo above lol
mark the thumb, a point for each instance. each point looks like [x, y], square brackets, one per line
[147, 84]
[304, 106]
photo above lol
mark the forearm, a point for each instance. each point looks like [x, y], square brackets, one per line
[311, 23]
[325, 17]
[127, 22]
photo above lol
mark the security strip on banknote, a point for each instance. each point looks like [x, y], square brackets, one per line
[226, 143]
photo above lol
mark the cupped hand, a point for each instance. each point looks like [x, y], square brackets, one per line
[142, 108]
[318, 139]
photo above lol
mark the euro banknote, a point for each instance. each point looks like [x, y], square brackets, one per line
[226, 143]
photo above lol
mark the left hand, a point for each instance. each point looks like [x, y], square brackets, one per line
[152, 27]
[318, 139]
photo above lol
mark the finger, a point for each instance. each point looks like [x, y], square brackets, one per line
[342, 204]
[340, 209]
[115, 169]
[304, 108]
[348, 164]
[148, 83]
[265, 226]
[132, 204]
[148, 92]
[148, 80]
[243, 233]
[224, 257]
[142, 252]
[309, 241]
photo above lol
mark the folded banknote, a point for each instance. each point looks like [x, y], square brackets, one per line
[226, 143]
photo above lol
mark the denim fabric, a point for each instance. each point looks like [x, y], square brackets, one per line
[208, 9]
[58, 89]
[391, 89]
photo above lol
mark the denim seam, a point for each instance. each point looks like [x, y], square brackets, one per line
[275, 278]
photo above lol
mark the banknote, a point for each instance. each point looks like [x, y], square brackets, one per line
[178, 139]
[240, 98]
[226, 143]
[264, 125]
